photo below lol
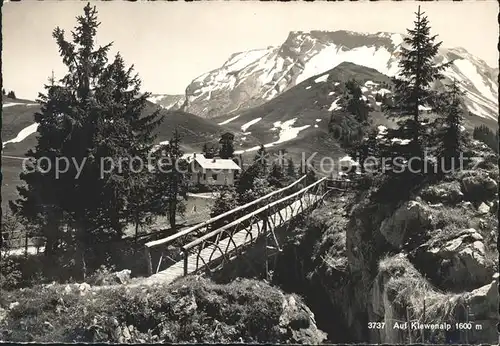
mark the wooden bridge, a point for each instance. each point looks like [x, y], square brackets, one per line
[208, 246]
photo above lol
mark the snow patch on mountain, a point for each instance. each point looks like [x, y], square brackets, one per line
[334, 105]
[397, 39]
[229, 120]
[333, 55]
[471, 73]
[241, 60]
[287, 131]
[29, 130]
[321, 79]
[250, 123]
[5, 105]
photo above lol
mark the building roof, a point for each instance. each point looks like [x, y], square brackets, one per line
[216, 163]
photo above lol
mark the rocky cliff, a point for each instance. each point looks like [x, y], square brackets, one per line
[431, 260]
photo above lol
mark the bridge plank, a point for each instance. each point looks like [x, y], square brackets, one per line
[240, 238]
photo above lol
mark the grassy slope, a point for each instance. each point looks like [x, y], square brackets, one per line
[194, 132]
[309, 101]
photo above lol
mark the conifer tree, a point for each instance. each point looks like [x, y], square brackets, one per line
[449, 134]
[276, 177]
[485, 135]
[412, 86]
[209, 150]
[368, 147]
[290, 169]
[260, 160]
[226, 200]
[226, 150]
[353, 103]
[247, 179]
[171, 180]
[311, 175]
[93, 114]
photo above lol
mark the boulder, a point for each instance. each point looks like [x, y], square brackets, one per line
[455, 263]
[478, 186]
[445, 193]
[483, 310]
[122, 277]
[298, 322]
[411, 217]
[483, 209]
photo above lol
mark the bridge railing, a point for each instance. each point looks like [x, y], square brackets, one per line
[214, 249]
[169, 248]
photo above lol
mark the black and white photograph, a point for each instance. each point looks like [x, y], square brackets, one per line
[249, 172]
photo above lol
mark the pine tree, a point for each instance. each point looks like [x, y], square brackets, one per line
[485, 135]
[290, 169]
[412, 87]
[368, 147]
[260, 160]
[311, 175]
[449, 133]
[93, 113]
[209, 150]
[247, 179]
[11, 95]
[353, 102]
[348, 128]
[260, 187]
[4, 93]
[276, 177]
[226, 150]
[345, 128]
[226, 200]
[171, 180]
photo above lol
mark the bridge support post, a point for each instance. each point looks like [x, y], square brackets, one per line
[267, 257]
[185, 255]
[148, 260]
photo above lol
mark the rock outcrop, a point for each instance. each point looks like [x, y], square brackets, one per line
[456, 263]
[448, 192]
[412, 217]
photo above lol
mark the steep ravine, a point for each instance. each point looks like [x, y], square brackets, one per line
[313, 264]
[430, 259]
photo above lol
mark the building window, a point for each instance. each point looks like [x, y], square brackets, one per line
[214, 176]
[204, 176]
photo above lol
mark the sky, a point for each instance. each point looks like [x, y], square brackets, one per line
[171, 43]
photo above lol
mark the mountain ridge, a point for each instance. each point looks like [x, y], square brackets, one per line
[250, 78]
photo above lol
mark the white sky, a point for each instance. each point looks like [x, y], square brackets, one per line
[171, 43]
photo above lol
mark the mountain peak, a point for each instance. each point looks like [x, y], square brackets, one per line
[248, 79]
